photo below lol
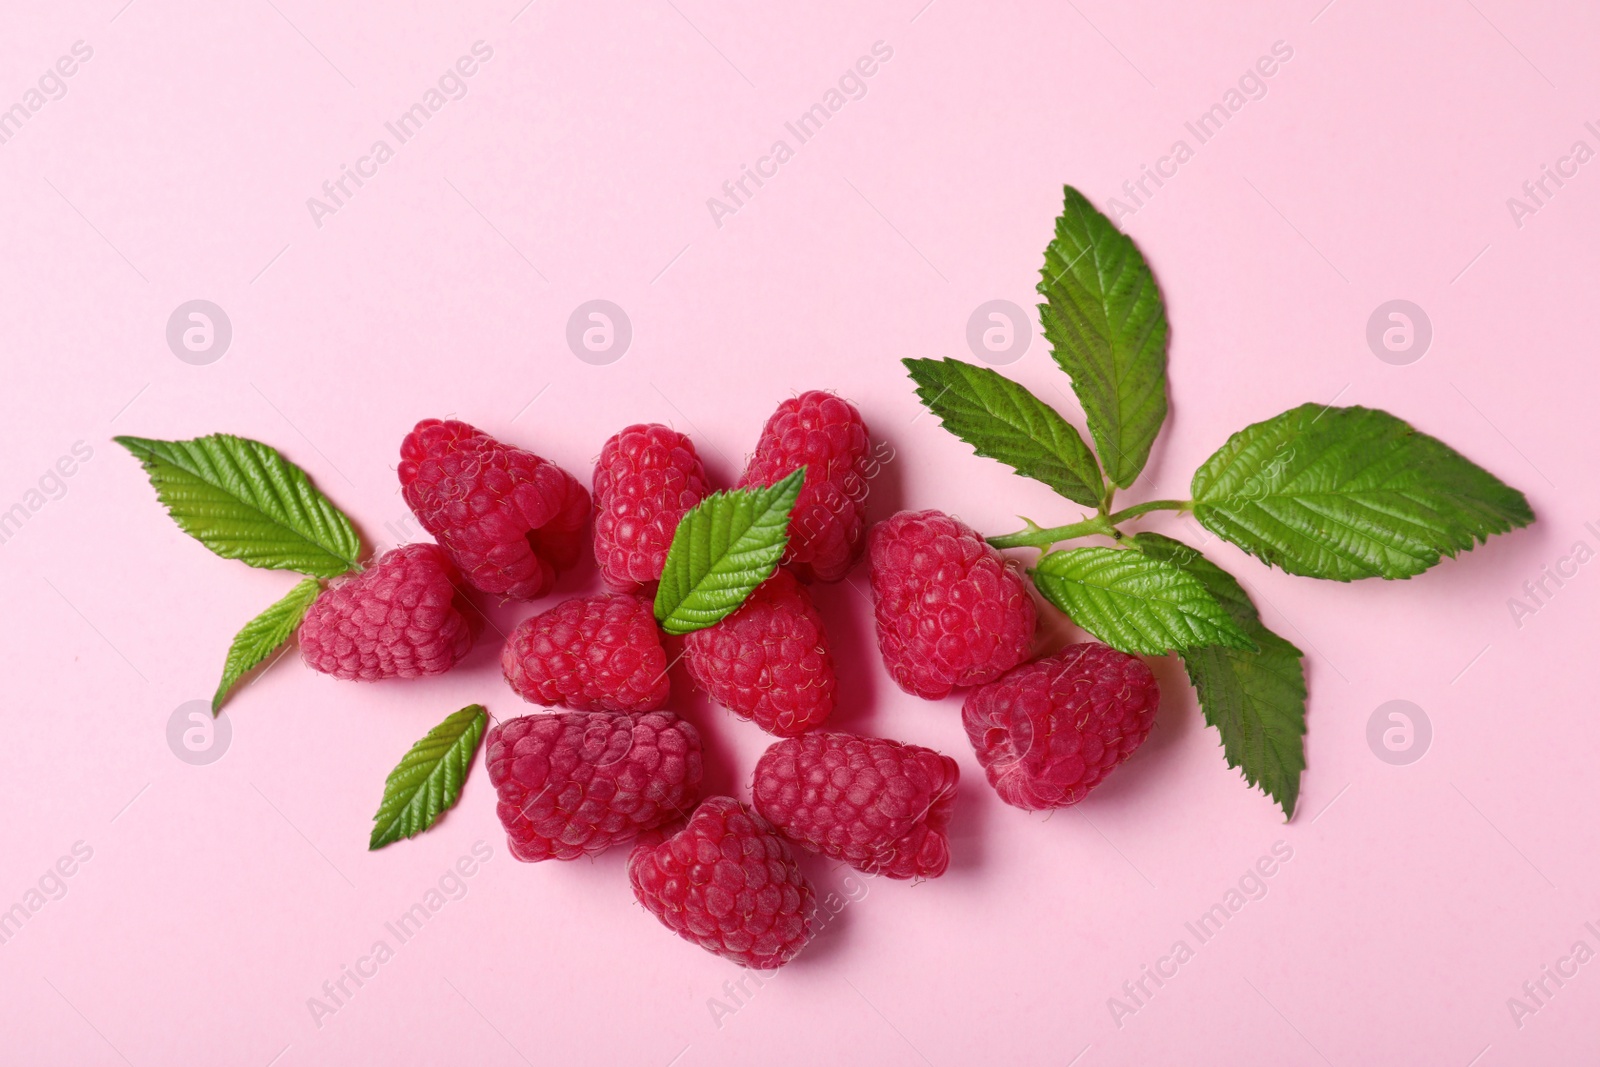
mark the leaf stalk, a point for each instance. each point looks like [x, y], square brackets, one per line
[1033, 536]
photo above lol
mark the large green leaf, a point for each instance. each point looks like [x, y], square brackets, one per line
[1349, 493]
[1256, 700]
[1134, 602]
[263, 635]
[724, 547]
[427, 781]
[1107, 326]
[244, 501]
[1002, 420]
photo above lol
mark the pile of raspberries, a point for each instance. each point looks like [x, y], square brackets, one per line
[615, 766]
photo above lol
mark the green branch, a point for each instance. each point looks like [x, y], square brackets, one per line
[1035, 536]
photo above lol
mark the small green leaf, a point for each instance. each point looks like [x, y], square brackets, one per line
[244, 501]
[1107, 327]
[1002, 420]
[263, 635]
[1256, 700]
[1135, 603]
[427, 781]
[724, 547]
[1348, 493]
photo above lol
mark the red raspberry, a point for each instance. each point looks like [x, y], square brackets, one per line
[592, 653]
[729, 883]
[824, 434]
[1050, 731]
[880, 806]
[769, 661]
[402, 617]
[577, 782]
[510, 520]
[646, 478]
[950, 611]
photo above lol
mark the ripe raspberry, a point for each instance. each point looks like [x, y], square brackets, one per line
[646, 478]
[823, 433]
[769, 661]
[577, 782]
[950, 611]
[510, 520]
[592, 653]
[1050, 731]
[880, 806]
[729, 883]
[402, 617]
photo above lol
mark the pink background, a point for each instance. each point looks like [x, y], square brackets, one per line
[219, 898]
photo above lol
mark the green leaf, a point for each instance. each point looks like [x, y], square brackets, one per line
[427, 781]
[1107, 326]
[1348, 493]
[1136, 603]
[724, 547]
[263, 635]
[1256, 700]
[1002, 420]
[1222, 586]
[244, 501]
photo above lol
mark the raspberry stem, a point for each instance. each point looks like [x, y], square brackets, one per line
[1034, 536]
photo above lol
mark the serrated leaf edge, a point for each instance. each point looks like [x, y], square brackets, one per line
[309, 589]
[1243, 610]
[449, 749]
[332, 528]
[771, 507]
[1223, 622]
[1121, 465]
[1425, 550]
[1089, 479]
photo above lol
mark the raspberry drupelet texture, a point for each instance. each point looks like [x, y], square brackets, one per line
[402, 617]
[646, 478]
[510, 520]
[1050, 731]
[577, 782]
[950, 611]
[825, 434]
[728, 882]
[878, 805]
[768, 662]
[592, 653]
